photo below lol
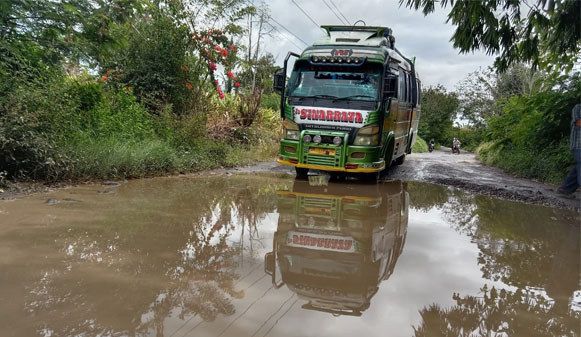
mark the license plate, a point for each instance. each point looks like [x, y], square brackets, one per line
[317, 210]
[322, 151]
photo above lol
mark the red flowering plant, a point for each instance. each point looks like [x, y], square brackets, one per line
[114, 79]
[216, 50]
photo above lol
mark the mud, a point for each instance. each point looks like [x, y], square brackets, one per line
[465, 172]
[462, 171]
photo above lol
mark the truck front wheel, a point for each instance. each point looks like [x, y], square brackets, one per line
[400, 160]
[302, 173]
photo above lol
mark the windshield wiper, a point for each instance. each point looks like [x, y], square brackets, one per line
[316, 96]
[352, 96]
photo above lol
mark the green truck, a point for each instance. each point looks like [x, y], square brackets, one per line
[351, 104]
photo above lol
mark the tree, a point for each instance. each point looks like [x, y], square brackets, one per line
[480, 91]
[177, 52]
[72, 29]
[438, 113]
[549, 35]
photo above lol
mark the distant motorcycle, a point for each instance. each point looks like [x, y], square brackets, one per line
[430, 147]
[456, 148]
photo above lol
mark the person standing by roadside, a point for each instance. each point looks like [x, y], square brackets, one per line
[573, 180]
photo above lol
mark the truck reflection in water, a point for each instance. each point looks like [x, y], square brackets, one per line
[335, 243]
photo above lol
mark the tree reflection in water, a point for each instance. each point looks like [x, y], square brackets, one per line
[534, 249]
[126, 274]
[498, 313]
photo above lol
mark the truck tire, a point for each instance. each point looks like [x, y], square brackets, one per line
[370, 177]
[399, 160]
[302, 173]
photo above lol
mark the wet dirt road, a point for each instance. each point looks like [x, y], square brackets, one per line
[262, 254]
[462, 171]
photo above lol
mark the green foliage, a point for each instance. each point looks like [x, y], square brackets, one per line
[147, 110]
[270, 101]
[469, 137]
[542, 163]
[113, 113]
[153, 63]
[115, 157]
[480, 91]
[26, 151]
[438, 113]
[549, 34]
[530, 135]
[420, 146]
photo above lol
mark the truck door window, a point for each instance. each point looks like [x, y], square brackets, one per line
[402, 90]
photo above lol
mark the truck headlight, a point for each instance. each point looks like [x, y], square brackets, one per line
[367, 136]
[291, 130]
[365, 140]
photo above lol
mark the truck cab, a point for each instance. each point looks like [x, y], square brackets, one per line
[351, 104]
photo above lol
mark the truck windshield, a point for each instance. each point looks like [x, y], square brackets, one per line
[336, 82]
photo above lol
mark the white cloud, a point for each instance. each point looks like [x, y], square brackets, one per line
[427, 38]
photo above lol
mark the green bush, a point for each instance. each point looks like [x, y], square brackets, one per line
[420, 146]
[27, 149]
[27, 152]
[470, 138]
[270, 101]
[147, 110]
[545, 164]
[530, 136]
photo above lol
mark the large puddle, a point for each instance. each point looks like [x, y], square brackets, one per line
[265, 255]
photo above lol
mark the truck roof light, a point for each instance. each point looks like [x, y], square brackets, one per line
[315, 59]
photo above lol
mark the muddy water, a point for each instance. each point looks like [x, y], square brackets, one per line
[264, 255]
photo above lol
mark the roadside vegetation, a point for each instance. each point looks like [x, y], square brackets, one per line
[95, 89]
[518, 120]
[420, 146]
[516, 114]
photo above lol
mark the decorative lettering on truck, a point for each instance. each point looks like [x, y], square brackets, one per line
[328, 116]
[321, 242]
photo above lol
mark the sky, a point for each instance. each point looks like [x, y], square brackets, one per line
[425, 37]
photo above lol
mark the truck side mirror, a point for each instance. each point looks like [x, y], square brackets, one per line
[278, 80]
[269, 263]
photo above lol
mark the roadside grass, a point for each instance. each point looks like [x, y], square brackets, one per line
[113, 158]
[110, 135]
[543, 164]
[420, 146]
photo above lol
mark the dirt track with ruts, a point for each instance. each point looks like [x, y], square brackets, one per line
[461, 171]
